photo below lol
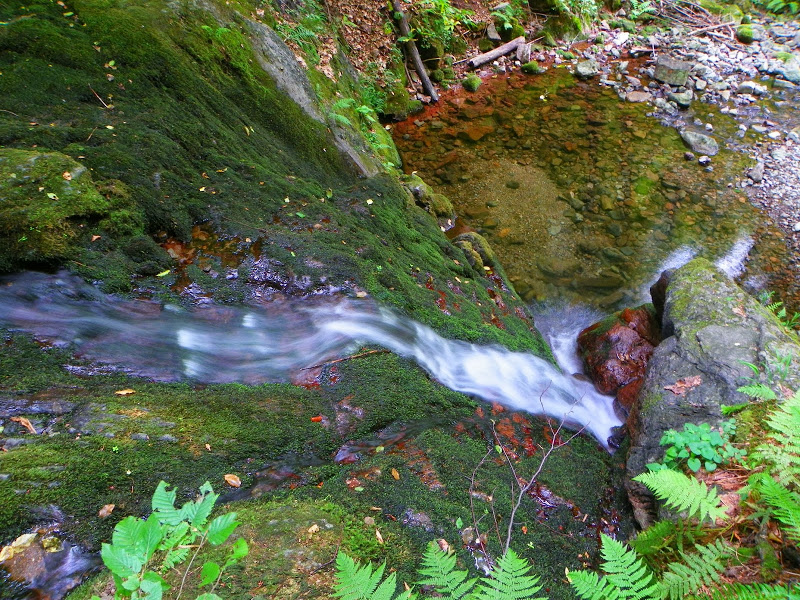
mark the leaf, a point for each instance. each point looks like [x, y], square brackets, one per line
[163, 273]
[125, 392]
[209, 573]
[121, 562]
[239, 550]
[209, 596]
[164, 504]
[221, 528]
[25, 423]
[150, 536]
[52, 196]
[684, 385]
[67, 176]
[395, 473]
[459, 523]
[739, 310]
[378, 536]
[127, 532]
[233, 480]
[106, 510]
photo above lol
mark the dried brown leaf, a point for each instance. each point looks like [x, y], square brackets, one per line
[680, 387]
[25, 423]
[106, 510]
[233, 480]
[125, 392]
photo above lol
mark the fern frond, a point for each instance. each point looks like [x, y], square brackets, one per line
[783, 450]
[755, 591]
[590, 586]
[758, 390]
[683, 494]
[341, 119]
[359, 582]
[697, 569]
[654, 538]
[509, 581]
[785, 505]
[626, 571]
[438, 570]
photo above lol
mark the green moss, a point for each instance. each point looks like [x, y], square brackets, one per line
[744, 33]
[532, 68]
[471, 82]
[485, 44]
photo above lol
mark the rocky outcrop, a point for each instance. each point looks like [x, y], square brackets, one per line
[716, 328]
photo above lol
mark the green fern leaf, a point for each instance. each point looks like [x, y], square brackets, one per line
[438, 571]
[509, 581]
[654, 538]
[758, 390]
[784, 503]
[783, 449]
[684, 494]
[626, 571]
[755, 591]
[359, 582]
[697, 569]
[590, 586]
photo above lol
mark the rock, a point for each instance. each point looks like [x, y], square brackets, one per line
[616, 349]
[586, 69]
[682, 99]
[781, 83]
[750, 32]
[700, 142]
[474, 132]
[671, 71]
[638, 96]
[757, 173]
[751, 87]
[711, 339]
[491, 33]
[791, 70]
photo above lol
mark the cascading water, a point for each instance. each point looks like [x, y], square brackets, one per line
[220, 345]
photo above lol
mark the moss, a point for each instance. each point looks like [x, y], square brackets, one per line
[532, 68]
[565, 54]
[471, 82]
[485, 44]
[744, 33]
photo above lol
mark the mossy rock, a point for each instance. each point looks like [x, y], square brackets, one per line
[471, 82]
[624, 24]
[49, 205]
[532, 68]
[744, 33]
[485, 44]
[563, 25]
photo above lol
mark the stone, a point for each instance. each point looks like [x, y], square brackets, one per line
[682, 99]
[791, 70]
[638, 96]
[783, 84]
[672, 71]
[750, 32]
[751, 87]
[586, 69]
[700, 142]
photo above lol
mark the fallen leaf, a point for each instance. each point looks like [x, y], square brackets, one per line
[313, 529]
[684, 385]
[443, 545]
[96, 237]
[316, 419]
[369, 521]
[208, 447]
[233, 480]
[67, 175]
[106, 510]
[376, 508]
[525, 529]
[739, 310]
[52, 196]
[395, 474]
[25, 423]
[379, 536]
[163, 273]
[125, 392]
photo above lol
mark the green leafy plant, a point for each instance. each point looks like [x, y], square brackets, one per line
[683, 493]
[439, 19]
[508, 581]
[141, 550]
[701, 446]
[782, 450]
[777, 308]
[641, 9]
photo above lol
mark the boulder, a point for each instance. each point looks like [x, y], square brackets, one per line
[586, 69]
[717, 328]
[671, 71]
[682, 99]
[700, 142]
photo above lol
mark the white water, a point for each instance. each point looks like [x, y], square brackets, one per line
[269, 344]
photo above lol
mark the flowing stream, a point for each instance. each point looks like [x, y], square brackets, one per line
[249, 345]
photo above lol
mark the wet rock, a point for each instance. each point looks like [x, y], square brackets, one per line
[751, 87]
[700, 142]
[682, 99]
[616, 349]
[757, 173]
[587, 69]
[672, 71]
[717, 327]
[475, 133]
[791, 70]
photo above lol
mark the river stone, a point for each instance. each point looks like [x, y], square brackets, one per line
[716, 327]
[700, 142]
[586, 69]
[682, 99]
[791, 70]
[638, 96]
[757, 173]
[751, 87]
[671, 71]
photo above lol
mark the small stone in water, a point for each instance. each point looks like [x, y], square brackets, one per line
[704, 160]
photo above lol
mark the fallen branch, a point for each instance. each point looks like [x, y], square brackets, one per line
[710, 28]
[412, 50]
[496, 53]
[338, 360]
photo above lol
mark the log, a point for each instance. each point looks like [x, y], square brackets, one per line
[496, 53]
[411, 49]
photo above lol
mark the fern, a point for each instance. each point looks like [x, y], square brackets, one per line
[697, 569]
[755, 591]
[590, 586]
[683, 493]
[654, 538]
[784, 504]
[626, 577]
[438, 571]
[783, 450]
[758, 390]
[509, 581]
[358, 582]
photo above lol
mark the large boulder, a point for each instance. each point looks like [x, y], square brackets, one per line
[672, 71]
[717, 328]
[700, 142]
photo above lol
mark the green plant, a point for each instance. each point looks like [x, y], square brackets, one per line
[141, 549]
[508, 581]
[641, 9]
[438, 20]
[471, 82]
[683, 493]
[777, 308]
[782, 450]
[791, 7]
[701, 446]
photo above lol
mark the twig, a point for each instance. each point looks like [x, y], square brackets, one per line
[710, 28]
[9, 112]
[419, 67]
[338, 360]
[91, 134]
[98, 97]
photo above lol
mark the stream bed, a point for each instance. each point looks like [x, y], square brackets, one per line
[583, 196]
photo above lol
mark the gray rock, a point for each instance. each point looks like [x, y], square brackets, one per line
[781, 83]
[638, 96]
[671, 71]
[751, 87]
[587, 68]
[757, 173]
[790, 70]
[167, 438]
[491, 33]
[142, 437]
[682, 99]
[700, 142]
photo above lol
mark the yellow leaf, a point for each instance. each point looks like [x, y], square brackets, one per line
[106, 510]
[125, 392]
[395, 474]
[96, 237]
[378, 536]
[233, 480]
[313, 529]
[25, 423]
[163, 273]
[67, 175]
[208, 447]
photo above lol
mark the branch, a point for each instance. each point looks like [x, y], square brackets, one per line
[411, 48]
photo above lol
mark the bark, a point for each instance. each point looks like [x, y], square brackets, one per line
[413, 52]
[496, 53]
